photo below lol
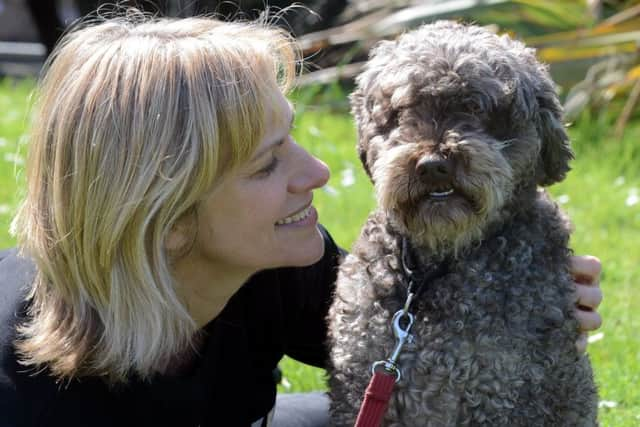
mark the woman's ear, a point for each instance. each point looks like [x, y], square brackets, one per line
[182, 234]
[176, 240]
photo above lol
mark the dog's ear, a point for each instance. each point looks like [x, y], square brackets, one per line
[363, 119]
[555, 151]
[369, 104]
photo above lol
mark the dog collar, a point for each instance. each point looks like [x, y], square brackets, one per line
[385, 373]
[415, 277]
[416, 280]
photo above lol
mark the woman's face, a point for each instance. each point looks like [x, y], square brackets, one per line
[261, 216]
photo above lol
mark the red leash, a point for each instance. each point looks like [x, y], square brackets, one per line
[378, 393]
[376, 399]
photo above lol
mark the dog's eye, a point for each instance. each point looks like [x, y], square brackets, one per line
[388, 123]
[499, 126]
[475, 110]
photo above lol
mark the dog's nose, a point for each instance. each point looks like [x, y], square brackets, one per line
[434, 169]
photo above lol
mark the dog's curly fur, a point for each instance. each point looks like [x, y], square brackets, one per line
[456, 107]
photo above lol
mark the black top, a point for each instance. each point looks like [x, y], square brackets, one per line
[277, 312]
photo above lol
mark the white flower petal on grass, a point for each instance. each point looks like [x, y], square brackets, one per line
[619, 181]
[314, 131]
[347, 177]
[4, 209]
[285, 383]
[633, 198]
[330, 190]
[14, 158]
[607, 404]
[563, 199]
[595, 337]
[3, 142]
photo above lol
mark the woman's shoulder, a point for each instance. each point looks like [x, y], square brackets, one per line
[16, 276]
[15, 265]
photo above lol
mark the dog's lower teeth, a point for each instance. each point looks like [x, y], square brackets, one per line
[441, 193]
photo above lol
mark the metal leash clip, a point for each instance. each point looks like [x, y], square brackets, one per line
[402, 335]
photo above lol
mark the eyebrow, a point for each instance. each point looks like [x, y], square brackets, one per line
[279, 139]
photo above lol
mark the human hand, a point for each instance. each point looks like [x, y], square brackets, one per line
[586, 275]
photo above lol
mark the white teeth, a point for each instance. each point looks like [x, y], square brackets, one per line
[441, 194]
[296, 217]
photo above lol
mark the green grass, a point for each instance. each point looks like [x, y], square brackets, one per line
[601, 194]
[13, 117]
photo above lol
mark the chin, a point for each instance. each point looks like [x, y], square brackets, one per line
[305, 253]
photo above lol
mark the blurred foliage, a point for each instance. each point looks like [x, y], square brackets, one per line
[610, 48]
[591, 46]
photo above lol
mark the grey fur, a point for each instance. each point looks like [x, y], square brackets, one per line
[494, 337]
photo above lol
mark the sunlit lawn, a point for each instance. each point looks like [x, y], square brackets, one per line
[602, 195]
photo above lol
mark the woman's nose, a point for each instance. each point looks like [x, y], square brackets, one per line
[310, 173]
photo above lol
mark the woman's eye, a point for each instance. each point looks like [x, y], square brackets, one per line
[273, 164]
[267, 170]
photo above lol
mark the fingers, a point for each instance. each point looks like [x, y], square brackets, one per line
[588, 297]
[586, 269]
[588, 320]
[581, 344]
[586, 274]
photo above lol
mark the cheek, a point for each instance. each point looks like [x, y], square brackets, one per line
[391, 174]
[224, 220]
[256, 214]
[240, 238]
[250, 209]
[522, 156]
[266, 206]
[483, 163]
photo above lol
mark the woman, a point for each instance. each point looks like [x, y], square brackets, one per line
[171, 248]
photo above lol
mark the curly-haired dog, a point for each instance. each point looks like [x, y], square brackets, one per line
[458, 127]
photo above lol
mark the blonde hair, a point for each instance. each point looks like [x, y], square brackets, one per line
[135, 120]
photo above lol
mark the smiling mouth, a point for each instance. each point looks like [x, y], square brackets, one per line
[299, 216]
